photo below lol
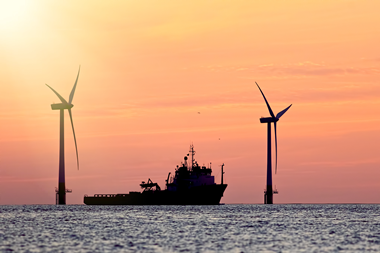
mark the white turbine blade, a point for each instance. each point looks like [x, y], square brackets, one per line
[73, 90]
[75, 140]
[59, 96]
[270, 110]
[275, 139]
[282, 112]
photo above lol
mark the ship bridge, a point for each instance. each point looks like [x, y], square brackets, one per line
[190, 174]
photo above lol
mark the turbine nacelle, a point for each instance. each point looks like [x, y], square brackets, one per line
[61, 106]
[268, 120]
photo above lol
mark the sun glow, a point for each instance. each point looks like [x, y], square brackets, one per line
[13, 13]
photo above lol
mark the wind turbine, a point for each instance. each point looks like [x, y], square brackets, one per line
[61, 192]
[268, 196]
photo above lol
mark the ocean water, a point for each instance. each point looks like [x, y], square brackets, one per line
[224, 228]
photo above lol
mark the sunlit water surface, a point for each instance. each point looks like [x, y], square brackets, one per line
[225, 228]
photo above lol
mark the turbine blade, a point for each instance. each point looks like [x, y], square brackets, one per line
[75, 140]
[275, 139]
[73, 90]
[282, 112]
[59, 96]
[270, 110]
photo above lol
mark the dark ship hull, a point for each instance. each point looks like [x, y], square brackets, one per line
[201, 195]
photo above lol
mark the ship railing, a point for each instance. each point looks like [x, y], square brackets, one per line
[104, 195]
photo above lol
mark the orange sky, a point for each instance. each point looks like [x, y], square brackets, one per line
[149, 67]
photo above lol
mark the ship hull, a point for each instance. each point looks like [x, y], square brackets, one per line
[200, 195]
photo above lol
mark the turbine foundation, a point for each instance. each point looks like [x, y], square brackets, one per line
[60, 195]
[268, 194]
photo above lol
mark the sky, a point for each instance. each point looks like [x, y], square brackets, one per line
[148, 67]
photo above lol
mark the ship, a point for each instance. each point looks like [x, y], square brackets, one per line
[191, 184]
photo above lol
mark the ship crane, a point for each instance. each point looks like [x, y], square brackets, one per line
[167, 180]
[149, 186]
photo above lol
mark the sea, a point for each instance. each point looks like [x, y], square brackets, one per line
[222, 228]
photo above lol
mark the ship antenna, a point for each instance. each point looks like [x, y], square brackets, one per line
[222, 173]
[192, 155]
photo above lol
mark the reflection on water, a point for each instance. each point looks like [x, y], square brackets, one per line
[226, 228]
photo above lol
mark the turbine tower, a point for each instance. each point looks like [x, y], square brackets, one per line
[61, 192]
[268, 193]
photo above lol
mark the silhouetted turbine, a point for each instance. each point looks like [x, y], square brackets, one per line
[62, 106]
[268, 197]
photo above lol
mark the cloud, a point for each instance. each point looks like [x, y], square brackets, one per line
[339, 164]
[23, 179]
[313, 69]
[299, 69]
[184, 102]
[246, 97]
[375, 59]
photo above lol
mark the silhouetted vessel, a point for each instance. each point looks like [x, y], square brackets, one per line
[191, 185]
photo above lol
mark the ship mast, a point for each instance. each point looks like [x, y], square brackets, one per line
[192, 156]
[222, 173]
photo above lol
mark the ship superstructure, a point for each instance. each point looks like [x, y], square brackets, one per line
[190, 174]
